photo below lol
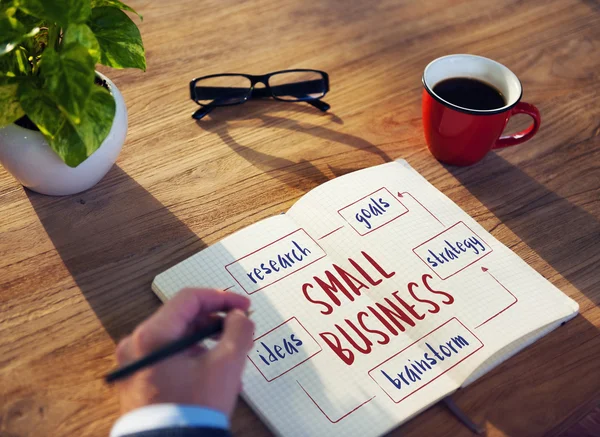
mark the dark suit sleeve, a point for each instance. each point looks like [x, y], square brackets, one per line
[182, 432]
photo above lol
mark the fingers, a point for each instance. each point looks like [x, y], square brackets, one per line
[189, 303]
[229, 356]
[238, 333]
[196, 351]
[124, 352]
[174, 318]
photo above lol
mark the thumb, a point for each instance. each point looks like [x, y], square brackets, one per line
[238, 332]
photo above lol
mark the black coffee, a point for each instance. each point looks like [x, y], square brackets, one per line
[470, 93]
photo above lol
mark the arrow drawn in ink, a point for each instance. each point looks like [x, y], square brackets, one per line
[486, 270]
[401, 195]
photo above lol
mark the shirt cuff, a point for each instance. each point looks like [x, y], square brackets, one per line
[168, 416]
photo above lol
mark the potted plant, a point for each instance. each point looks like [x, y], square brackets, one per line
[62, 124]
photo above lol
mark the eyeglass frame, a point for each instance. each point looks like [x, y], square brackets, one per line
[268, 92]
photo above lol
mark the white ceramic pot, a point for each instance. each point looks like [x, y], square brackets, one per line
[28, 157]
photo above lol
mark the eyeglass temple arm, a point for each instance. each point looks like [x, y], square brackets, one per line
[319, 104]
[202, 112]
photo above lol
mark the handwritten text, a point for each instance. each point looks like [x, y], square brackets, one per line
[452, 250]
[275, 261]
[425, 360]
[373, 211]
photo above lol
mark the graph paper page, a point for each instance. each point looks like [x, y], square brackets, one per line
[373, 297]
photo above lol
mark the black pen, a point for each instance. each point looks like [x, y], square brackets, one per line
[167, 351]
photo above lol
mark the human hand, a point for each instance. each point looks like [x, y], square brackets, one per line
[198, 376]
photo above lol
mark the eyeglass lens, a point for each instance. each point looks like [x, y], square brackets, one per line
[298, 85]
[222, 90]
[290, 86]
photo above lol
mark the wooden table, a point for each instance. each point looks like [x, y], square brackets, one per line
[75, 272]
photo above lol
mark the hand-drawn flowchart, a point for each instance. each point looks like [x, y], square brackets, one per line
[451, 250]
[372, 297]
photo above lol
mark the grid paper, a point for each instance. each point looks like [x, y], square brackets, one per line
[497, 297]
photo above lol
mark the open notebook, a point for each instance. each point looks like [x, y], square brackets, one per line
[374, 297]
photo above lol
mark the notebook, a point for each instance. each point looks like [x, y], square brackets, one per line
[374, 297]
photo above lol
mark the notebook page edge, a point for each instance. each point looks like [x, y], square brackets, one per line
[514, 347]
[337, 180]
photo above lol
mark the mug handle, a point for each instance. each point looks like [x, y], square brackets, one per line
[524, 135]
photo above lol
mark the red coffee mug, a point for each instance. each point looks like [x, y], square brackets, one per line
[462, 136]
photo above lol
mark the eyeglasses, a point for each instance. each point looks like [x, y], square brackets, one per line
[233, 89]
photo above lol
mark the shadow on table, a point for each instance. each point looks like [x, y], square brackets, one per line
[566, 237]
[537, 388]
[114, 239]
[563, 234]
[302, 175]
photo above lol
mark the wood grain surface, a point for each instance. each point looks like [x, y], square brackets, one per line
[75, 272]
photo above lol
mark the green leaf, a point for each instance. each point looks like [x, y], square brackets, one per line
[8, 7]
[11, 106]
[119, 38]
[15, 64]
[63, 12]
[12, 32]
[41, 109]
[81, 34]
[97, 119]
[72, 143]
[29, 21]
[115, 4]
[69, 77]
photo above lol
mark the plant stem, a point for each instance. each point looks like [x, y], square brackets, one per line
[53, 35]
